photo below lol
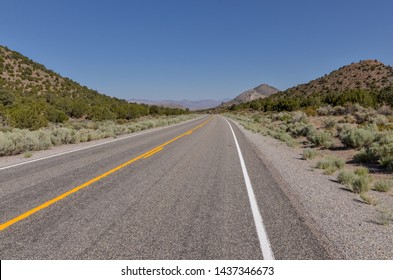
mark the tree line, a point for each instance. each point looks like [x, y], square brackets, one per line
[284, 101]
[32, 111]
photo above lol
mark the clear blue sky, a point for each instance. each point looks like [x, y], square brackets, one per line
[196, 49]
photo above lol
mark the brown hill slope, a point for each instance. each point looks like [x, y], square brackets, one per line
[20, 74]
[367, 74]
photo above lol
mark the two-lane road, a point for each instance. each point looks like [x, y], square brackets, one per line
[175, 193]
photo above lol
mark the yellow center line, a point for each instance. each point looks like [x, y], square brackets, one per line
[88, 183]
[153, 152]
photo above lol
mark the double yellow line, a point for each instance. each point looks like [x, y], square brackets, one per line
[88, 183]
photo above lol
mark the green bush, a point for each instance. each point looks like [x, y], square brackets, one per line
[27, 117]
[321, 139]
[362, 171]
[300, 129]
[55, 116]
[329, 123]
[299, 117]
[383, 185]
[284, 137]
[330, 164]
[309, 153]
[368, 198]
[358, 181]
[325, 111]
[364, 156]
[361, 184]
[357, 137]
[386, 162]
[346, 177]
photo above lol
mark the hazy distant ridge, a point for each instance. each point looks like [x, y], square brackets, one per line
[191, 104]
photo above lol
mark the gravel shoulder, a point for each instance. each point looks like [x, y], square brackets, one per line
[350, 226]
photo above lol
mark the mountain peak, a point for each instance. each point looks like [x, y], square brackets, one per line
[261, 91]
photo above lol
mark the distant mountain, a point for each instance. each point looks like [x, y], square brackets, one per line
[260, 91]
[190, 104]
[370, 75]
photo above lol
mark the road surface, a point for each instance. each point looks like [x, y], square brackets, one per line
[182, 192]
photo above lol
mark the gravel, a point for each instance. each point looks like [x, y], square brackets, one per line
[350, 226]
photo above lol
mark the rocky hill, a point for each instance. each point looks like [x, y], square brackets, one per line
[260, 91]
[369, 75]
[20, 74]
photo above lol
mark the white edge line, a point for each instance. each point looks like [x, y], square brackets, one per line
[96, 145]
[266, 249]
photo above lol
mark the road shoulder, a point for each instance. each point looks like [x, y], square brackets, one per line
[349, 225]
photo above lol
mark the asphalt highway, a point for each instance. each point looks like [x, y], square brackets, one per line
[175, 193]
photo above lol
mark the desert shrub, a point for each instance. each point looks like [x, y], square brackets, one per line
[386, 162]
[61, 135]
[357, 181]
[44, 141]
[349, 119]
[284, 137]
[300, 129]
[385, 110]
[364, 156]
[284, 127]
[330, 164]
[7, 146]
[325, 111]
[353, 108]
[299, 117]
[362, 171]
[282, 116]
[309, 153]
[329, 123]
[257, 118]
[361, 184]
[309, 111]
[346, 177]
[383, 185]
[360, 117]
[28, 154]
[366, 115]
[379, 120]
[321, 139]
[385, 216]
[368, 198]
[382, 149]
[356, 137]
[339, 110]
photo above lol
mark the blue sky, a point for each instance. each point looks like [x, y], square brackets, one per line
[175, 49]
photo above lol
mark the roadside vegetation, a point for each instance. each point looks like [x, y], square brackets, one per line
[15, 141]
[40, 109]
[351, 142]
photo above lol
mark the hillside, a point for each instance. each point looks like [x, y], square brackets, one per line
[368, 83]
[370, 75]
[31, 96]
[260, 91]
[20, 74]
